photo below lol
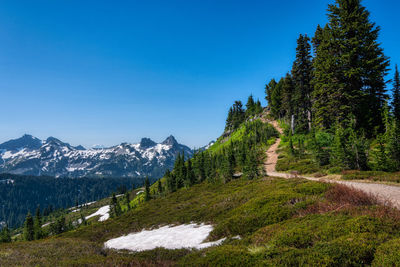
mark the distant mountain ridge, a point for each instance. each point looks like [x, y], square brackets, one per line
[31, 156]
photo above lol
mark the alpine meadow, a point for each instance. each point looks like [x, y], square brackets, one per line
[306, 171]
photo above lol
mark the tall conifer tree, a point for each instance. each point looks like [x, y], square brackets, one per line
[349, 69]
[302, 76]
[396, 95]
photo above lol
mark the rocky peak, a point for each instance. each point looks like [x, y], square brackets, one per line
[146, 143]
[170, 141]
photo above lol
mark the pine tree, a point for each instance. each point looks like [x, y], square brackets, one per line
[382, 157]
[236, 116]
[190, 176]
[147, 195]
[349, 69]
[29, 231]
[357, 146]
[115, 206]
[5, 236]
[38, 224]
[250, 106]
[170, 180]
[250, 170]
[159, 186]
[276, 100]
[396, 95]
[302, 76]
[317, 39]
[288, 105]
[269, 88]
[338, 154]
[393, 145]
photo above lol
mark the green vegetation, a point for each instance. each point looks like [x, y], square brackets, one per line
[280, 222]
[240, 152]
[336, 117]
[335, 99]
[25, 193]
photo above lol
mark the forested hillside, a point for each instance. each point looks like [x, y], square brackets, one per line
[22, 194]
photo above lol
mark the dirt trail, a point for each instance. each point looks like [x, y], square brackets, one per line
[383, 192]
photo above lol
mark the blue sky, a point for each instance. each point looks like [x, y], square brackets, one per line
[106, 72]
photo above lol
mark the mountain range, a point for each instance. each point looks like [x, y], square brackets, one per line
[29, 155]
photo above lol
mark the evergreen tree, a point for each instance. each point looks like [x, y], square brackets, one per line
[147, 195]
[38, 224]
[382, 157]
[171, 183]
[396, 95]
[357, 149]
[29, 230]
[302, 76]
[190, 176]
[269, 88]
[250, 106]
[349, 69]
[236, 116]
[59, 226]
[5, 236]
[250, 170]
[159, 186]
[338, 154]
[393, 145]
[317, 39]
[276, 100]
[115, 206]
[288, 106]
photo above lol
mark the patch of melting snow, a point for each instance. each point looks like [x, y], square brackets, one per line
[46, 224]
[104, 213]
[82, 205]
[169, 237]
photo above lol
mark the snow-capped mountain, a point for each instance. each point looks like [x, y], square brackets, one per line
[32, 156]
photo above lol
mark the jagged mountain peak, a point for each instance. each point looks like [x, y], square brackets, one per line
[170, 141]
[147, 142]
[56, 158]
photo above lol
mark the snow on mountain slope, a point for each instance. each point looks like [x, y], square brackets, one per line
[28, 155]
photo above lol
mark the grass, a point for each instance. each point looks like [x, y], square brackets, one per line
[224, 142]
[391, 177]
[280, 222]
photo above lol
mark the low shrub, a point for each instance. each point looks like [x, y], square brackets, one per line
[388, 254]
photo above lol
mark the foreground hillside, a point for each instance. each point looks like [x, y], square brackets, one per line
[279, 222]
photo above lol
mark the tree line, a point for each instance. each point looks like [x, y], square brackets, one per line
[337, 77]
[25, 193]
[241, 156]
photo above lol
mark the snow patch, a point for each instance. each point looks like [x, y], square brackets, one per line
[169, 237]
[103, 212]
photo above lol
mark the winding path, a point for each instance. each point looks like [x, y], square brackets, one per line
[383, 192]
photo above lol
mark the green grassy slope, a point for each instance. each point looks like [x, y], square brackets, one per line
[281, 222]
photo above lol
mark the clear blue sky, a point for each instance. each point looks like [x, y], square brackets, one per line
[106, 72]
